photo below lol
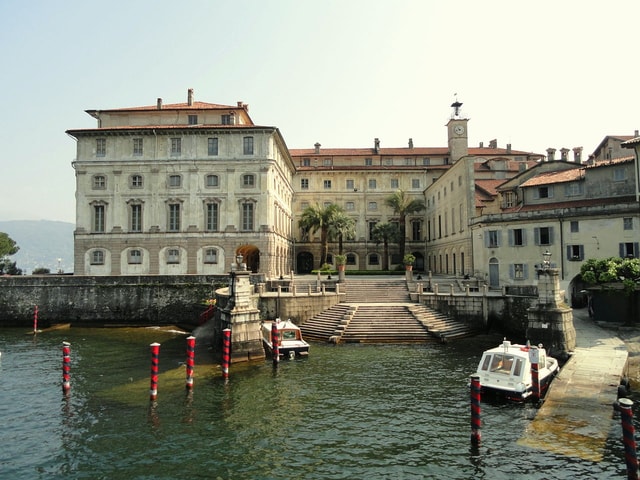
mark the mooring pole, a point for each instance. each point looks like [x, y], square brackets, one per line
[226, 352]
[476, 390]
[66, 366]
[628, 438]
[534, 358]
[35, 320]
[191, 348]
[155, 361]
[275, 343]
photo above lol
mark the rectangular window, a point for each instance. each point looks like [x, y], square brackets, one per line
[349, 206]
[304, 205]
[327, 184]
[98, 219]
[211, 255]
[136, 218]
[395, 183]
[573, 189]
[372, 184]
[627, 223]
[173, 255]
[175, 181]
[415, 183]
[101, 147]
[193, 119]
[212, 181]
[372, 225]
[97, 257]
[247, 216]
[619, 175]
[518, 271]
[492, 238]
[508, 199]
[426, 161]
[212, 146]
[137, 147]
[415, 230]
[136, 181]
[575, 253]
[350, 185]
[372, 206]
[174, 217]
[304, 183]
[99, 182]
[226, 119]
[543, 192]
[388, 161]
[629, 250]
[543, 235]
[516, 237]
[135, 257]
[408, 161]
[247, 145]
[248, 181]
[212, 217]
[575, 226]
[176, 147]
[306, 162]
[368, 162]
[327, 162]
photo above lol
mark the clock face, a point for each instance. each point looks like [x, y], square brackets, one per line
[458, 129]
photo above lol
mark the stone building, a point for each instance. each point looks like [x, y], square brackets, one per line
[181, 189]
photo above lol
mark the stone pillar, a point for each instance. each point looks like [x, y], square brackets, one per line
[243, 317]
[550, 321]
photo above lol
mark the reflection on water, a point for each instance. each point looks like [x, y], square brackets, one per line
[351, 411]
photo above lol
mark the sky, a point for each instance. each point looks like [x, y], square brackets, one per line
[339, 72]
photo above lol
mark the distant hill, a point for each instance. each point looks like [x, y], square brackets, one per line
[42, 243]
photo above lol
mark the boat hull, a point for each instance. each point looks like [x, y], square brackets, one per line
[291, 342]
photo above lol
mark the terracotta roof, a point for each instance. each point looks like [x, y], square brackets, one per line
[128, 128]
[592, 202]
[613, 161]
[489, 186]
[403, 151]
[555, 177]
[172, 106]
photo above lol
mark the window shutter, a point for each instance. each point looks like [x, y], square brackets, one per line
[536, 193]
[636, 252]
[569, 251]
[536, 235]
[526, 271]
[550, 235]
[524, 237]
[512, 271]
[499, 237]
[581, 247]
[510, 233]
[550, 191]
[621, 249]
[486, 239]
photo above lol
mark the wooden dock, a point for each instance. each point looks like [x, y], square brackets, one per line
[576, 417]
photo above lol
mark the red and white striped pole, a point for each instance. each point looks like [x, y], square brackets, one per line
[275, 343]
[191, 348]
[226, 352]
[534, 358]
[155, 361]
[628, 438]
[476, 390]
[66, 366]
[35, 320]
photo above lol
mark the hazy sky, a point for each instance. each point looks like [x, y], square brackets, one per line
[537, 74]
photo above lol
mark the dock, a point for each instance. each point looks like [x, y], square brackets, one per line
[576, 416]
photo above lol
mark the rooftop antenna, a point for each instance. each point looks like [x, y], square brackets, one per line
[456, 106]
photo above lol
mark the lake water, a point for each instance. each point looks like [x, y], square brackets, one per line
[346, 412]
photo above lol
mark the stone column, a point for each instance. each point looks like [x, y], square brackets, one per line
[550, 321]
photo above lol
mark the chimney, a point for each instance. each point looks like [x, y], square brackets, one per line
[635, 133]
[508, 148]
[551, 154]
[159, 104]
[564, 154]
[317, 146]
[577, 154]
[493, 143]
[232, 117]
[376, 145]
[190, 97]
[481, 144]
[411, 143]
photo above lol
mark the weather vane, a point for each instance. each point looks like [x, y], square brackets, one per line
[456, 106]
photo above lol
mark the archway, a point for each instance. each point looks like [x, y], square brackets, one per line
[250, 256]
[419, 263]
[304, 262]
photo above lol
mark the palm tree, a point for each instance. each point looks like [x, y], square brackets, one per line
[402, 206]
[385, 233]
[342, 226]
[315, 218]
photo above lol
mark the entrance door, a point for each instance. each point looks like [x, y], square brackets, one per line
[494, 273]
[304, 262]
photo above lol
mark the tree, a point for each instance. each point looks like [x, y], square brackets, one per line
[402, 206]
[7, 245]
[342, 226]
[385, 233]
[316, 218]
[612, 270]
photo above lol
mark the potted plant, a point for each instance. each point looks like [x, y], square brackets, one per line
[341, 261]
[408, 261]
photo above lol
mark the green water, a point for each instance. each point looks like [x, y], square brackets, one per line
[346, 412]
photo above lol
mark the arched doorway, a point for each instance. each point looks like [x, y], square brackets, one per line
[250, 256]
[494, 273]
[304, 262]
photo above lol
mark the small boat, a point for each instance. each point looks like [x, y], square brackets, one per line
[291, 342]
[506, 370]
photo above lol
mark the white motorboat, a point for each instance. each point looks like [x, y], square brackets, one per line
[506, 370]
[291, 342]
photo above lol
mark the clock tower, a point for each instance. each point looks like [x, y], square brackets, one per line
[457, 134]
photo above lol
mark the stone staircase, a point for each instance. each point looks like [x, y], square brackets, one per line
[380, 311]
